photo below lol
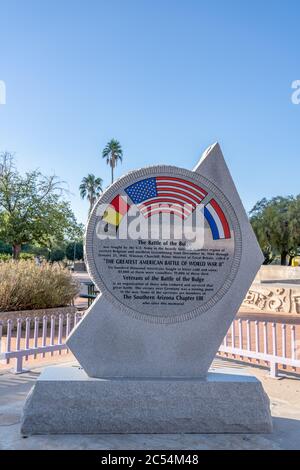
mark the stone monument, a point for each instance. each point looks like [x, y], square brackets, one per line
[173, 255]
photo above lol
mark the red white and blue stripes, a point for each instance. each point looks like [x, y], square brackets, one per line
[217, 221]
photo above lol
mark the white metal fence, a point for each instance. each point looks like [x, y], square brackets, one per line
[265, 343]
[35, 337]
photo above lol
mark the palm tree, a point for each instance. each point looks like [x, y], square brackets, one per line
[90, 188]
[113, 153]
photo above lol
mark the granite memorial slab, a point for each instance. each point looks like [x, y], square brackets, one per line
[173, 254]
[166, 305]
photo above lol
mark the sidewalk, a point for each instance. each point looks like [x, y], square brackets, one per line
[285, 404]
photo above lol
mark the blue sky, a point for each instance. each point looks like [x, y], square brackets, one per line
[165, 77]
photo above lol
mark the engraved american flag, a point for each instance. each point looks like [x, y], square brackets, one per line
[165, 194]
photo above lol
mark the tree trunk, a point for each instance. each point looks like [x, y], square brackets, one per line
[112, 174]
[291, 260]
[283, 256]
[92, 202]
[16, 251]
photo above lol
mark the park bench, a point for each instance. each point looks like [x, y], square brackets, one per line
[92, 292]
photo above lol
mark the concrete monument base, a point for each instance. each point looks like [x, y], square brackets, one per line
[65, 400]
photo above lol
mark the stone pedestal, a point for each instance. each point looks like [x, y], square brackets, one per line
[66, 400]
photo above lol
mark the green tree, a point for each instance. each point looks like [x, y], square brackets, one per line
[113, 153]
[32, 209]
[90, 188]
[56, 254]
[276, 223]
[5, 248]
[74, 250]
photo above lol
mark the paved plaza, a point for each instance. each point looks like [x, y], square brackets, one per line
[285, 404]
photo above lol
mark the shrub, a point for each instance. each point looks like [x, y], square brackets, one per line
[27, 256]
[26, 286]
[5, 257]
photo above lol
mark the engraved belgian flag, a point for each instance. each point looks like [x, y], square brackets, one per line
[115, 211]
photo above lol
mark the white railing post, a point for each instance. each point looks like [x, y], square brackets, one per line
[240, 333]
[283, 339]
[273, 369]
[274, 339]
[68, 328]
[293, 342]
[248, 335]
[52, 332]
[265, 327]
[256, 336]
[36, 334]
[27, 335]
[19, 357]
[19, 364]
[233, 334]
[68, 325]
[44, 334]
[60, 330]
[8, 338]
[19, 332]
[273, 363]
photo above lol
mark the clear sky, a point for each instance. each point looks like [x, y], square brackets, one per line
[165, 77]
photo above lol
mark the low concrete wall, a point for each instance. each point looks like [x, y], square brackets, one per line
[14, 315]
[282, 299]
[274, 273]
[79, 267]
